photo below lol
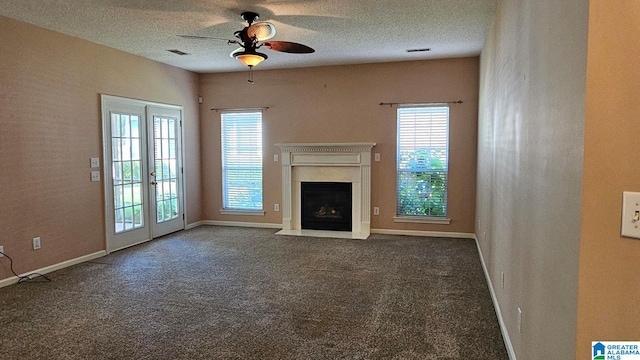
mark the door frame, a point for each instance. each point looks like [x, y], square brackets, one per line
[105, 101]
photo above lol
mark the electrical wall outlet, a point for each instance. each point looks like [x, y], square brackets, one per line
[276, 158]
[376, 210]
[36, 243]
[276, 207]
[1, 251]
[376, 156]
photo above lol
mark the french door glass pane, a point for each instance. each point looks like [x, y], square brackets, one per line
[127, 172]
[118, 197]
[135, 170]
[166, 165]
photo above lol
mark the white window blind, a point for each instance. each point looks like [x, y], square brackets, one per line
[242, 160]
[422, 160]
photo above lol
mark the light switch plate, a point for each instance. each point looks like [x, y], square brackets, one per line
[95, 176]
[631, 214]
[95, 162]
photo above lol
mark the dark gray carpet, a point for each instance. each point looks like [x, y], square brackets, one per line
[241, 293]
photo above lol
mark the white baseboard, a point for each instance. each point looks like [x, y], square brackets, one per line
[194, 225]
[424, 233]
[14, 279]
[503, 327]
[240, 224]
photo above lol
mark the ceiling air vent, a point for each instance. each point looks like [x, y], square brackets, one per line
[418, 50]
[178, 52]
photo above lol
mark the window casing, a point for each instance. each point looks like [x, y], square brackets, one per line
[422, 161]
[242, 160]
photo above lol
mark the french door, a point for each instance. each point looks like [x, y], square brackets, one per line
[142, 170]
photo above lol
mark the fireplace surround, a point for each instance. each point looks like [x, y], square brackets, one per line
[326, 162]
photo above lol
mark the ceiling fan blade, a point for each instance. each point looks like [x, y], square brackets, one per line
[288, 47]
[262, 30]
[196, 37]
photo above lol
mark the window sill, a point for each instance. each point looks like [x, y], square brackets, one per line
[242, 212]
[421, 220]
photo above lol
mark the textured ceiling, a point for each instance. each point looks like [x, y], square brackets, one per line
[341, 31]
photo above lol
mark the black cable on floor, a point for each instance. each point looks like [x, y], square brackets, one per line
[31, 278]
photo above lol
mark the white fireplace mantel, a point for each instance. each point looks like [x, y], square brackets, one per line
[326, 162]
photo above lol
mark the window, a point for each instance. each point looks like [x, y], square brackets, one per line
[242, 161]
[422, 161]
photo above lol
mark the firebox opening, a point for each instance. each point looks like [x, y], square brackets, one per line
[326, 206]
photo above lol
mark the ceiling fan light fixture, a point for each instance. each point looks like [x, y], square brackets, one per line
[249, 59]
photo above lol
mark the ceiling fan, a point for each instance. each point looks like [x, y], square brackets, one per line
[255, 36]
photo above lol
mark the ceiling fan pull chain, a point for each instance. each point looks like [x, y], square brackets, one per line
[250, 75]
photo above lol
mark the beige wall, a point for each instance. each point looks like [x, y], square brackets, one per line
[50, 127]
[544, 210]
[609, 284]
[530, 146]
[340, 104]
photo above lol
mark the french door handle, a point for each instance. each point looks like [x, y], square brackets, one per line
[153, 173]
[154, 183]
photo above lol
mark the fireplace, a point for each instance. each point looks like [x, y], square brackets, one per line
[348, 163]
[326, 206]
